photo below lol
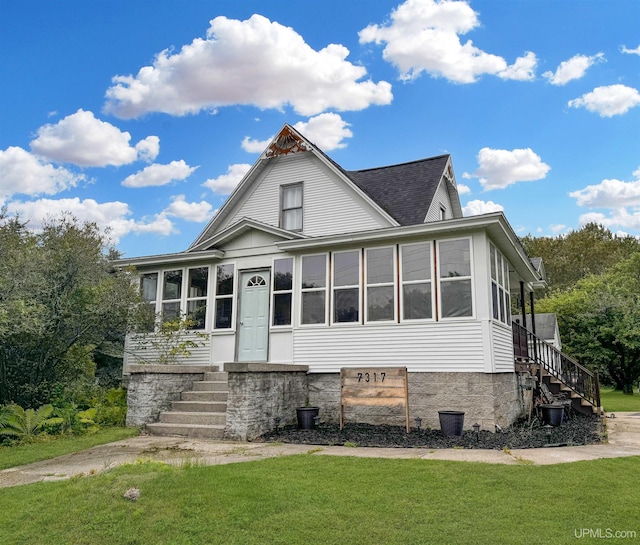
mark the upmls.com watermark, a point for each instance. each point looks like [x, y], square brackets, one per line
[604, 533]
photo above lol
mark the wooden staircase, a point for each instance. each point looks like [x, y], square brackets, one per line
[564, 377]
[201, 412]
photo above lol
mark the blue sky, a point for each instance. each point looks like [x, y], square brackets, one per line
[142, 116]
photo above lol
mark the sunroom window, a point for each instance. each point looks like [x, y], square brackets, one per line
[224, 296]
[291, 218]
[454, 265]
[500, 296]
[416, 281]
[346, 286]
[197, 284]
[381, 286]
[282, 291]
[171, 294]
[314, 289]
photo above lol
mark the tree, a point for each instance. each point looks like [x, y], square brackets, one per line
[61, 302]
[599, 321]
[569, 258]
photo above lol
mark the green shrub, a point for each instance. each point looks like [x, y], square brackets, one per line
[26, 424]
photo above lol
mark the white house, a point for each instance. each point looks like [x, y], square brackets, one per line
[308, 264]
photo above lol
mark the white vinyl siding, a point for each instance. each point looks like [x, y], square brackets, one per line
[426, 346]
[503, 359]
[440, 200]
[135, 353]
[330, 206]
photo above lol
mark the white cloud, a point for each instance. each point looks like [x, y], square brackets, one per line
[23, 173]
[477, 207]
[255, 146]
[424, 36]
[621, 198]
[158, 175]
[575, 68]
[327, 131]
[557, 228]
[635, 51]
[608, 100]
[226, 183]
[189, 211]
[83, 140]
[463, 189]
[498, 168]
[111, 217]
[254, 62]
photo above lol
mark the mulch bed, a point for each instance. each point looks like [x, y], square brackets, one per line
[578, 430]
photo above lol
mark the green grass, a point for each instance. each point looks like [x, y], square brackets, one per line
[616, 401]
[51, 447]
[328, 500]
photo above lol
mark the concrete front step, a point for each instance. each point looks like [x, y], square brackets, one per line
[202, 431]
[184, 417]
[216, 376]
[211, 386]
[199, 406]
[204, 396]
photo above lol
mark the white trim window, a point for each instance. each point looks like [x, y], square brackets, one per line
[282, 291]
[171, 294]
[500, 295]
[346, 287]
[197, 290]
[149, 294]
[416, 264]
[454, 278]
[225, 288]
[313, 308]
[380, 280]
[291, 207]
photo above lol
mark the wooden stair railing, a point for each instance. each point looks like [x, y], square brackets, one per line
[529, 348]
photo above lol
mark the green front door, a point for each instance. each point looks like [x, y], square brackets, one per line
[253, 325]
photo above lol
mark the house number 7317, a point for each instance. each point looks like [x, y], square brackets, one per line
[371, 377]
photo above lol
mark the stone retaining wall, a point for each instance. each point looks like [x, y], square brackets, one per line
[152, 388]
[260, 392]
[488, 399]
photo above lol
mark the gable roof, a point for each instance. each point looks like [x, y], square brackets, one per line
[405, 191]
[546, 324]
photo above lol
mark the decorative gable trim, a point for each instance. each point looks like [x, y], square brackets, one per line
[286, 143]
[240, 227]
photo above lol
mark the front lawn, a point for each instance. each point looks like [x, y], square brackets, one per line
[616, 401]
[50, 447]
[330, 500]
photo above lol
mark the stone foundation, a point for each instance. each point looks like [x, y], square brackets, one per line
[488, 399]
[260, 392]
[152, 388]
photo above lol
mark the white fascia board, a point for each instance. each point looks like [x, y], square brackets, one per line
[164, 259]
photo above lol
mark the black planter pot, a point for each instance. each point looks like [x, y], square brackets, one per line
[552, 414]
[451, 422]
[306, 417]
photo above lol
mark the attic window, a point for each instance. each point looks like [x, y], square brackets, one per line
[291, 212]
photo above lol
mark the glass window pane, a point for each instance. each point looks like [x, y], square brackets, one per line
[501, 295]
[505, 264]
[380, 303]
[416, 301]
[346, 305]
[292, 219]
[170, 311]
[172, 285]
[380, 265]
[500, 277]
[493, 263]
[314, 271]
[197, 312]
[149, 286]
[313, 307]
[198, 280]
[416, 262]
[292, 197]
[224, 309]
[224, 280]
[282, 309]
[346, 268]
[455, 259]
[456, 298]
[494, 298]
[283, 274]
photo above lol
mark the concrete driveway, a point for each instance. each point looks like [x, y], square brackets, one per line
[623, 440]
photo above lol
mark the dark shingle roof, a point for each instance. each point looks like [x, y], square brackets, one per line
[404, 191]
